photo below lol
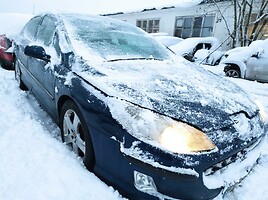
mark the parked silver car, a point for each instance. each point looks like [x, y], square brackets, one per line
[249, 63]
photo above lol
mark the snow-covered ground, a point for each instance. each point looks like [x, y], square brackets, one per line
[34, 162]
[36, 165]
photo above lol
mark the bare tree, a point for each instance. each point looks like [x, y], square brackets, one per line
[250, 19]
[249, 23]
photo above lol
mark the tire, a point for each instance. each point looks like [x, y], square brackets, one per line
[22, 86]
[235, 73]
[75, 134]
[1, 63]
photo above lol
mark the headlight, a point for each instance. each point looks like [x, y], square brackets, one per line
[261, 110]
[160, 131]
[182, 138]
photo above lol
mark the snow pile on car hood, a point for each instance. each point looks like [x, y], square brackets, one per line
[148, 94]
[178, 90]
[244, 53]
[188, 45]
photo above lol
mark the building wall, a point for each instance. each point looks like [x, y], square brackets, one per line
[168, 16]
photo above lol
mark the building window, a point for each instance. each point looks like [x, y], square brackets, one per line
[149, 25]
[201, 26]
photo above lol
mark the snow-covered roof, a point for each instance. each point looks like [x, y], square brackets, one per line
[166, 6]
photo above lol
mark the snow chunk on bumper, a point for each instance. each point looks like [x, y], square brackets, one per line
[234, 173]
[136, 153]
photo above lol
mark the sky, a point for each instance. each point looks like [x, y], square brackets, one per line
[85, 6]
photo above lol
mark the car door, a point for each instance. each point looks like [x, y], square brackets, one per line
[258, 66]
[43, 71]
[27, 36]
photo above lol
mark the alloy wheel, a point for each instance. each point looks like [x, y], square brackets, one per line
[73, 134]
[233, 73]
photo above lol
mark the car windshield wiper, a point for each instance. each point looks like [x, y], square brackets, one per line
[120, 59]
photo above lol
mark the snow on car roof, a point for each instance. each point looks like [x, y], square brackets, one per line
[168, 40]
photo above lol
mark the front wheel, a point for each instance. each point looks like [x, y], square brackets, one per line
[233, 73]
[75, 134]
[22, 86]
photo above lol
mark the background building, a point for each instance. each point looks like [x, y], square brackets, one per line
[211, 18]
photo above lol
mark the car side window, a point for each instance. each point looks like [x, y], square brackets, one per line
[207, 46]
[31, 27]
[198, 47]
[46, 31]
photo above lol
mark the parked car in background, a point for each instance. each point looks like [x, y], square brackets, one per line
[231, 51]
[166, 40]
[199, 49]
[11, 24]
[248, 62]
[142, 119]
[6, 55]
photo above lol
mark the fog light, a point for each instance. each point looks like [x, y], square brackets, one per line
[144, 183]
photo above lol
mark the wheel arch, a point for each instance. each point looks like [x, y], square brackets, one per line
[89, 159]
[60, 103]
[18, 69]
[240, 66]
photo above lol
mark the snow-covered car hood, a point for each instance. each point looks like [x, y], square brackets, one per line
[204, 56]
[239, 56]
[188, 45]
[179, 90]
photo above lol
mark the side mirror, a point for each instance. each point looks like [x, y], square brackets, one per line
[37, 52]
[258, 53]
[188, 57]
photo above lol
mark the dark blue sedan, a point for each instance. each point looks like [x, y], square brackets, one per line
[152, 125]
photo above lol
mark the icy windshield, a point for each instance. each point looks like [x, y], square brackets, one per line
[115, 40]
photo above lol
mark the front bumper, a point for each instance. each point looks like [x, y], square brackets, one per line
[7, 59]
[231, 175]
[179, 183]
[171, 176]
